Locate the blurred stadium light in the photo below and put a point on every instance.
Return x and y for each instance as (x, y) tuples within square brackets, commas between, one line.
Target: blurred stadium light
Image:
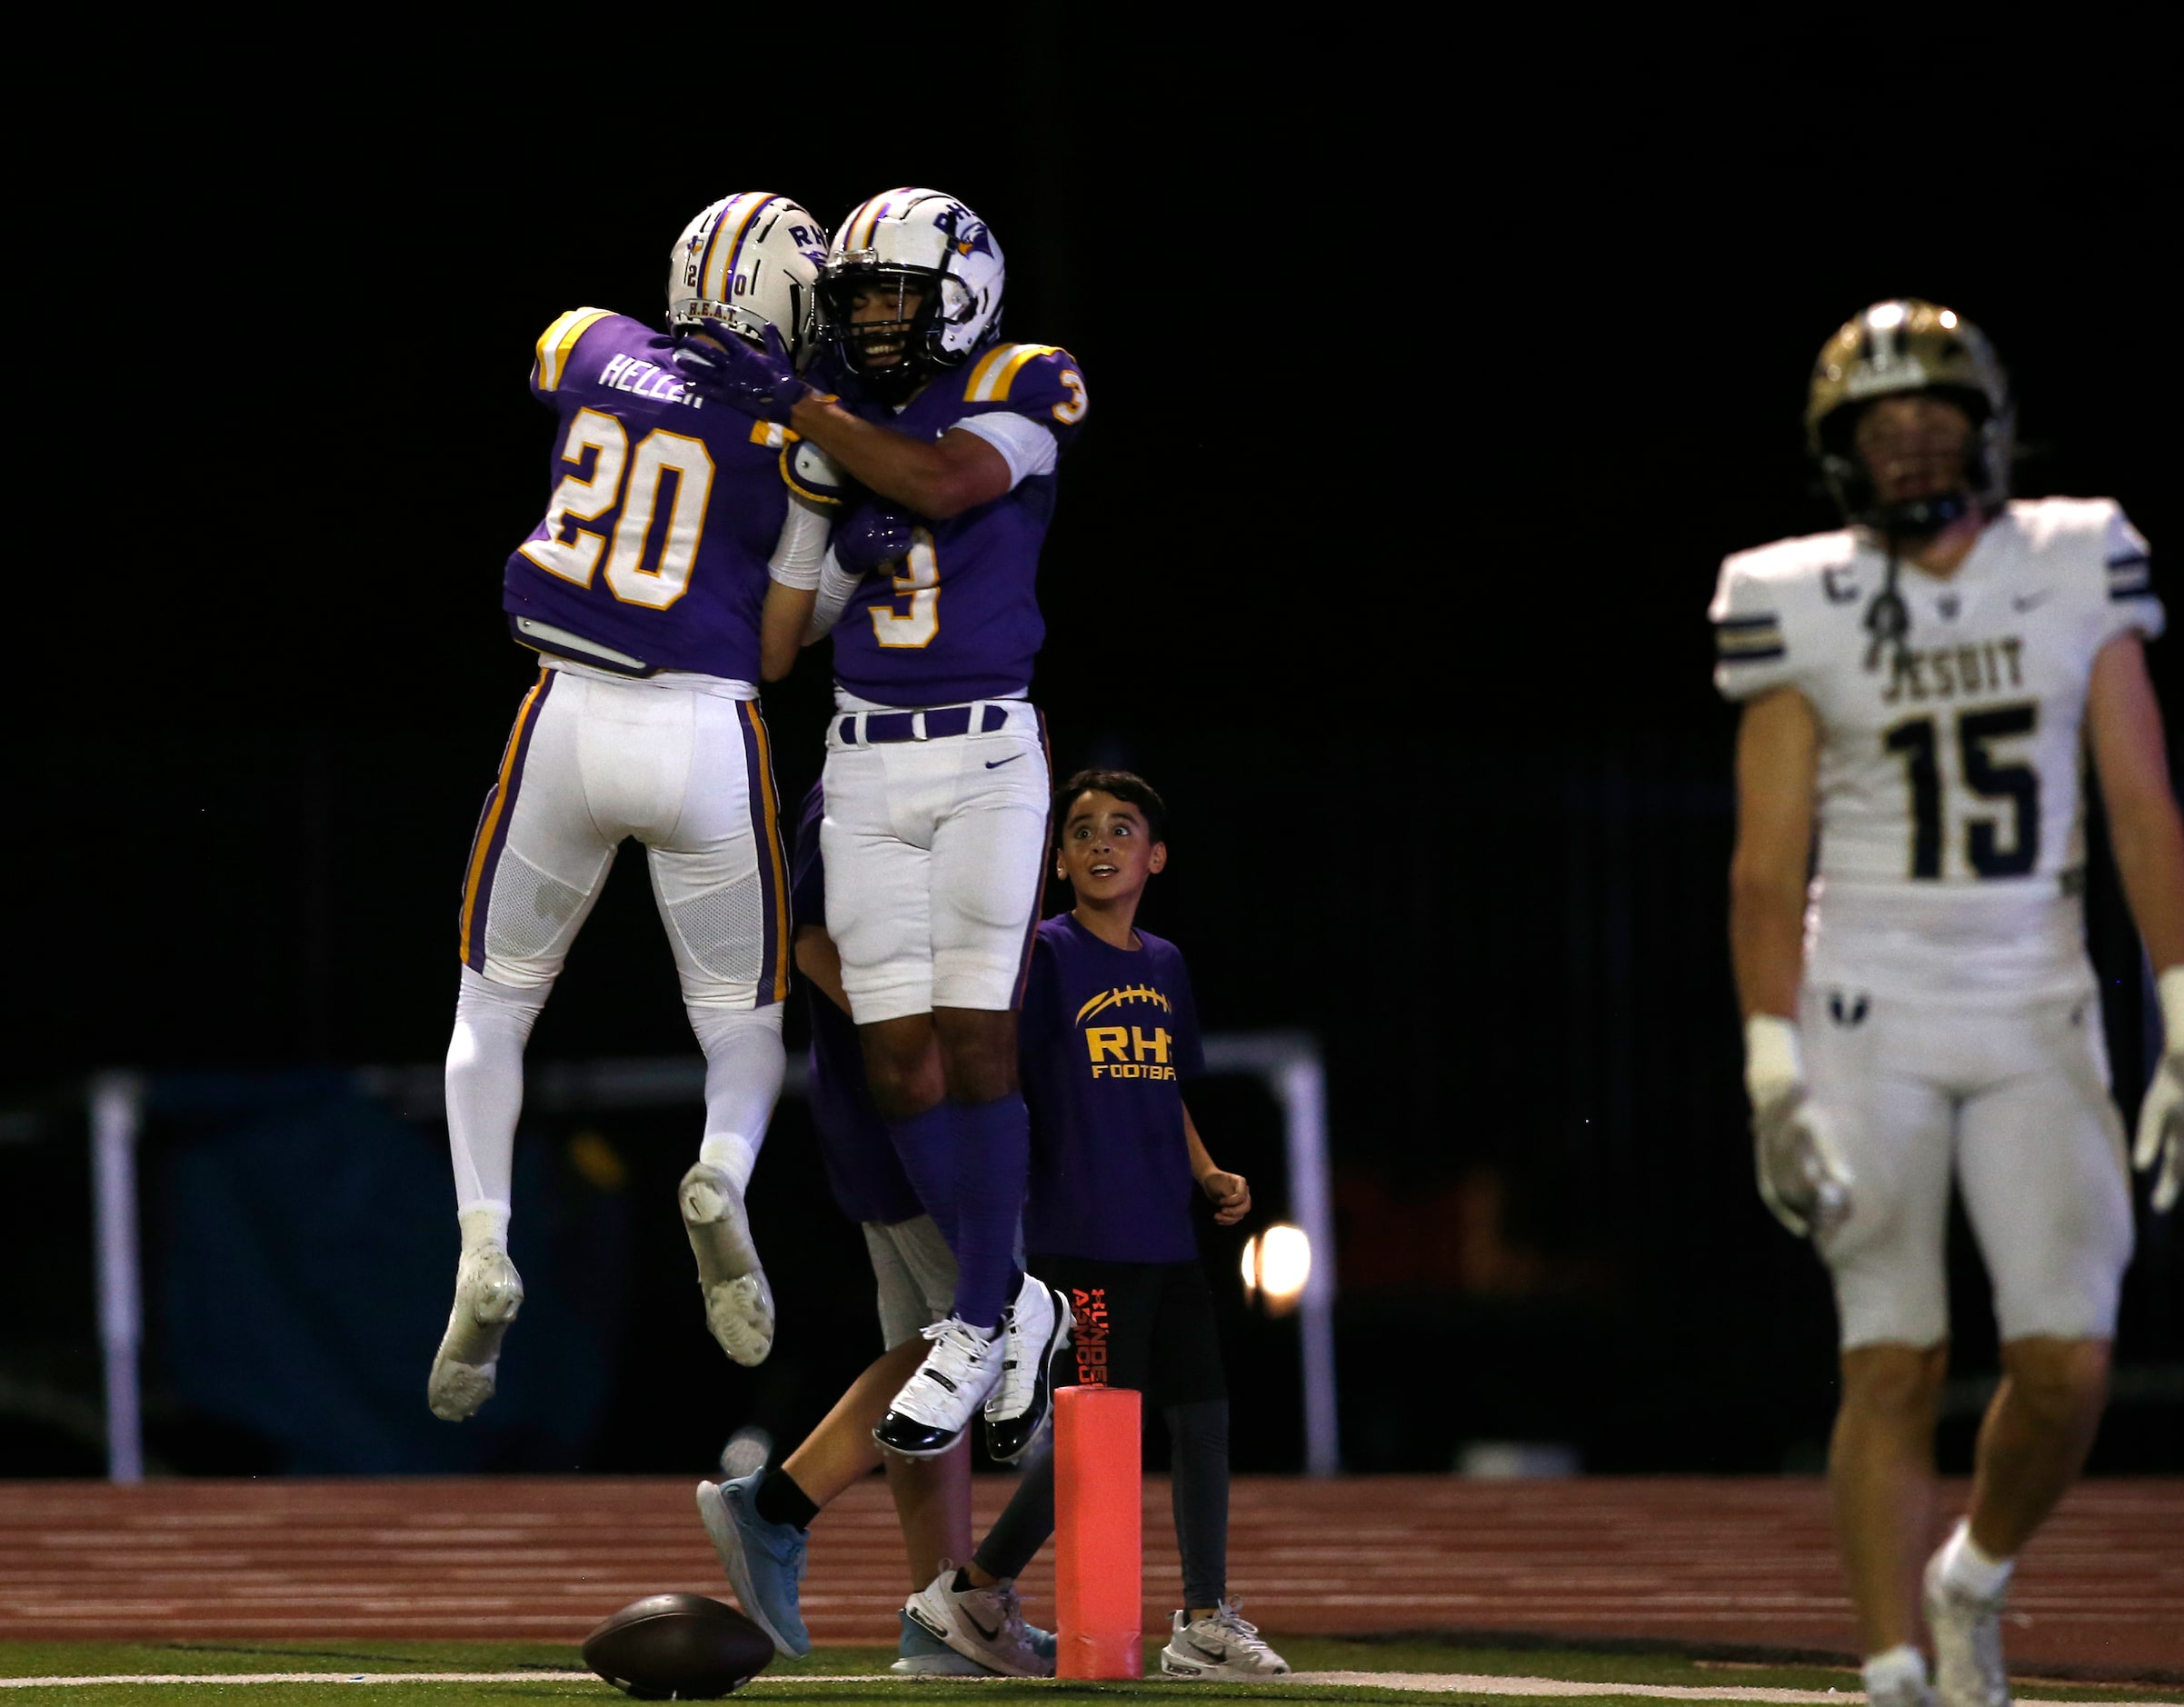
[(1289, 1062)]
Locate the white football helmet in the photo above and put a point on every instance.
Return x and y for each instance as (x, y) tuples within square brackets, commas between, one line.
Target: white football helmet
[(924, 239), (750, 262)]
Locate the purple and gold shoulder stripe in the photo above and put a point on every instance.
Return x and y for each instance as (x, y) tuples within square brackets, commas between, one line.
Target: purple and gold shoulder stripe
[(558, 342), (994, 372), (1747, 639)]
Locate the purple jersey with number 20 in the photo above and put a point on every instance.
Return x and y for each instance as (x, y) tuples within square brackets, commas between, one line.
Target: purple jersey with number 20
[(652, 553), (957, 618)]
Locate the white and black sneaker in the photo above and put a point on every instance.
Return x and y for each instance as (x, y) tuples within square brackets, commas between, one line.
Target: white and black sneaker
[(985, 1625), (938, 1402), (1223, 1643), (1034, 1331)]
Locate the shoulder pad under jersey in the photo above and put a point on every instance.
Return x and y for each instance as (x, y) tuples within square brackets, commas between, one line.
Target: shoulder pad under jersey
[(1039, 381), (811, 473), (558, 342)]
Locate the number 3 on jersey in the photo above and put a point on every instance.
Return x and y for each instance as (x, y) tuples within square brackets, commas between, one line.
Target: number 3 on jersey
[(1985, 850), (920, 580), (659, 454)]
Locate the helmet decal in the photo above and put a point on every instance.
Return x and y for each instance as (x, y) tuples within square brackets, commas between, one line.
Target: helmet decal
[(749, 261)]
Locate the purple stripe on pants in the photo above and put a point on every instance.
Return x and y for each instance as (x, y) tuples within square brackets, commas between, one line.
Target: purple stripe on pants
[(493, 822)]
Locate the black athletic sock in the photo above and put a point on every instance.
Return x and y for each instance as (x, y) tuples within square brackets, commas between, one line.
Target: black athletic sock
[(1024, 1523), (1198, 1435), (780, 1501)]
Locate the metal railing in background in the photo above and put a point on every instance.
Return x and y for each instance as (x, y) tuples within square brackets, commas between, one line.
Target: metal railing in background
[(1288, 1062)]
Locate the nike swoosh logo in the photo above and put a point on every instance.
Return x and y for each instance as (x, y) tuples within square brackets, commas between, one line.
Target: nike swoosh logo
[(964, 1613), (994, 764), (2026, 601), (1210, 1653)]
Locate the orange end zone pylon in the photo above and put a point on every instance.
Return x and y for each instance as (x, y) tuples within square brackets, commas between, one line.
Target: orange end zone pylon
[(1099, 1589)]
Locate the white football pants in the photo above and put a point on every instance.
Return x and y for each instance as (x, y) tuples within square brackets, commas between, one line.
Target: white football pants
[(686, 771), (2014, 1103), (936, 856)]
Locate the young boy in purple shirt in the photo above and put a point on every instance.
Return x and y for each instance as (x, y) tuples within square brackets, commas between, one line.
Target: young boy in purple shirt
[(1109, 1038)]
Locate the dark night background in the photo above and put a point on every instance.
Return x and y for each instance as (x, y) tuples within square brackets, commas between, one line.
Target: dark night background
[(1430, 379)]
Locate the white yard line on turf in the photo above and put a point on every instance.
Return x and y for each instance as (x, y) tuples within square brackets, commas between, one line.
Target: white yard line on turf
[(1441, 1683)]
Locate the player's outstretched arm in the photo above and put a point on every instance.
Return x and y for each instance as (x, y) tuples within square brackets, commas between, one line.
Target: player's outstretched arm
[(2130, 756), (935, 478), (1230, 1193)]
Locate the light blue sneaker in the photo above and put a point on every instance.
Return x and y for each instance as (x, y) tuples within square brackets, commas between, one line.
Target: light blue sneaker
[(764, 1562)]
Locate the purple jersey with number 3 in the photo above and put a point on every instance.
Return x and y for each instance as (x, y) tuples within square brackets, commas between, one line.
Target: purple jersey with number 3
[(958, 619), (652, 552), (1107, 1039)]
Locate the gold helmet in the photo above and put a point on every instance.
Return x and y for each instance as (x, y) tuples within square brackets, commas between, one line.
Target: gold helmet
[(1900, 346)]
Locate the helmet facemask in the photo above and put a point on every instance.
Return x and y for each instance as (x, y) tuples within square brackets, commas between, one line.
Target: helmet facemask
[(1911, 518), (890, 351)]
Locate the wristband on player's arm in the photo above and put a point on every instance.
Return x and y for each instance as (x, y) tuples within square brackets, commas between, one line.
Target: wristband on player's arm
[(1774, 1065), (836, 586), (802, 548)]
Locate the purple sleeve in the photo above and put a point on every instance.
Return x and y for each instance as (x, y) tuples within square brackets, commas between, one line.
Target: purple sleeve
[(1190, 1049), (807, 872)]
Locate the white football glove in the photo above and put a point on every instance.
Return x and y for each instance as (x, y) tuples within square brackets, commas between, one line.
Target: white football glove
[(2160, 1147), (1803, 1179)]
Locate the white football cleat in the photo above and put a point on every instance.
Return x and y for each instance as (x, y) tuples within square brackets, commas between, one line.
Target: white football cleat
[(939, 1400), (1967, 1630), (1223, 1643), (1035, 1330), (739, 1303), (985, 1625), (488, 1293)]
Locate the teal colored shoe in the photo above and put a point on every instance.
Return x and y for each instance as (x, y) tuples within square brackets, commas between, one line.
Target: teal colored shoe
[(764, 1562)]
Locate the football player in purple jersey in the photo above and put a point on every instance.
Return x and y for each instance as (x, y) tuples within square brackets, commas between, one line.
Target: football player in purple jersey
[(670, 573), (758, 1523), (935, 832), (1110, 1041)]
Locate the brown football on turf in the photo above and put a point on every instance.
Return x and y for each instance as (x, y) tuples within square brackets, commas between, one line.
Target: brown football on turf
[(677, 1647)]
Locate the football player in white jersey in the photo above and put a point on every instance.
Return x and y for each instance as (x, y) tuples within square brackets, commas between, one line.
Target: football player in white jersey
[(655, 591), (1917, 691)]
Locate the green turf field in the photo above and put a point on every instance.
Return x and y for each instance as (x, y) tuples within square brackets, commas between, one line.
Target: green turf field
[(817, 1677)]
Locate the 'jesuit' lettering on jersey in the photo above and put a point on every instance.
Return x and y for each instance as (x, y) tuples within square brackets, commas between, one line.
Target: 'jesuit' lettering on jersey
[(652, 552), (958, 619), (1950, 794)]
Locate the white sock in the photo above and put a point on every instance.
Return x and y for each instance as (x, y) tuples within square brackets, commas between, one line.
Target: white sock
[(486, 1089), (483, 1223), (1888, 1672), (1967, 1566), (743, 1068)]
